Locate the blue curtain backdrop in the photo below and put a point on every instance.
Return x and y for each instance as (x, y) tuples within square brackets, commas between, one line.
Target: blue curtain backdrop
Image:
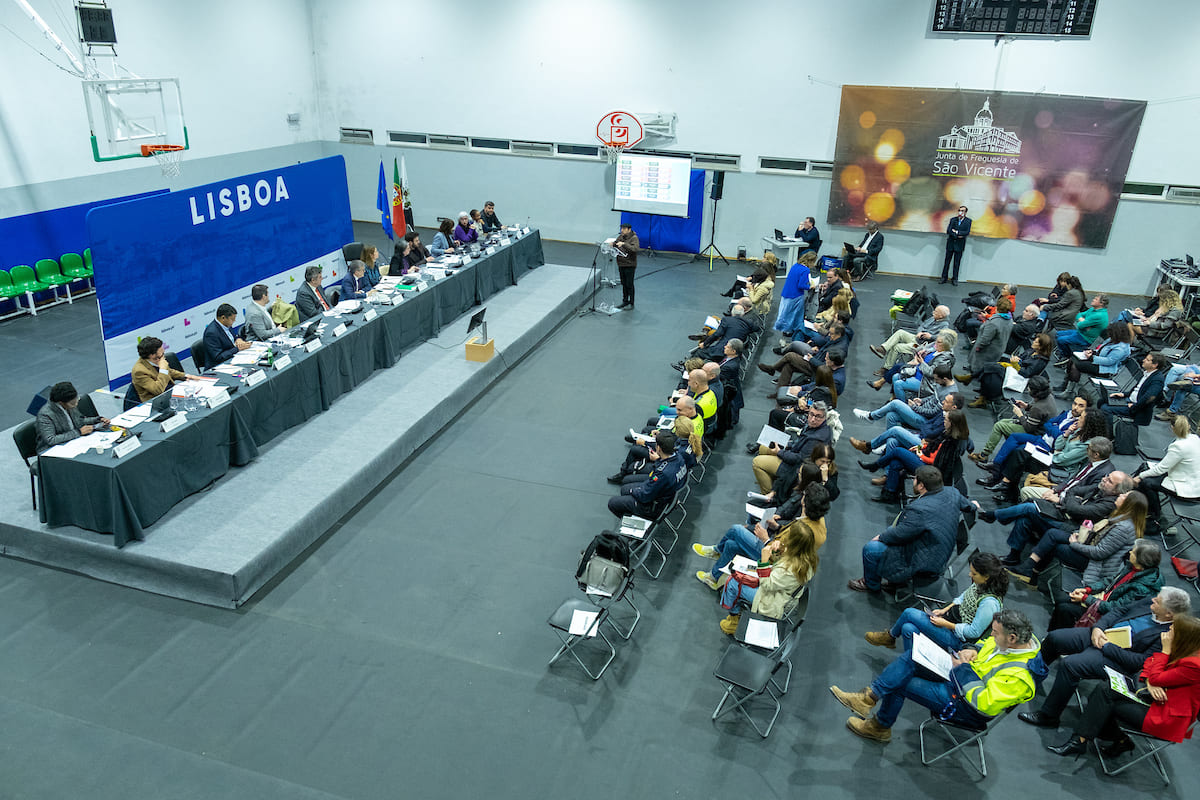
[(677, 234)]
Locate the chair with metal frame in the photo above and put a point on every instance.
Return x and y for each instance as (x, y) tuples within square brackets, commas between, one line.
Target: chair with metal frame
[(1147, 747), (748, 674), (793, 618), (560, 622), (975, 737), (25, 438)]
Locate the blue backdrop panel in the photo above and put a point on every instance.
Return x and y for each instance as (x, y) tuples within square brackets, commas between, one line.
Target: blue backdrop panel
[(677, 234), (49, 234), (166, 254)]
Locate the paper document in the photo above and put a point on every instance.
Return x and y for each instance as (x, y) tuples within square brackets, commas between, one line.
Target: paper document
[(761, 633), (1041, 456), (635, 527), (1080, 354), (743, 279), (1105, 382), (768, 436), (760, 513), (810, 325), (902, 294), (583, 623), (347, 306), (133, 416), (1122, 637), (226, 369), (740, 564), (712, 322), (245, 358), (1122, 685), (930, 656), (639, 437)]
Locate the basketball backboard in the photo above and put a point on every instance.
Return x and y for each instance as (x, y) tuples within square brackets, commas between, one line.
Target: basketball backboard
[(126, 113)]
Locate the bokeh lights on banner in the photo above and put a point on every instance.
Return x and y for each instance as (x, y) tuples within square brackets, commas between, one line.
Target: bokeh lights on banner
[(1043, 168)]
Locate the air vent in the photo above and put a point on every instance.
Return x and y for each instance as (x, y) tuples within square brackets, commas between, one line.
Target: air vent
[(716, 161), (440, 140), (533, 148), (489, 144), (357, 135), (1144, 189), (1184, 194), (577, 150), (824, 168), (783, 164), (400, 137)]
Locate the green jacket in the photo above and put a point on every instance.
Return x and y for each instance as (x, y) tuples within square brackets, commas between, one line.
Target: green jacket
[(1001, 680), (1091, 323)]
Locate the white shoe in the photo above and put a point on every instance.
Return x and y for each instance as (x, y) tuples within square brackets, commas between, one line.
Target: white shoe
[(861, 414), (705, 551), (878, 451), (706, 579)]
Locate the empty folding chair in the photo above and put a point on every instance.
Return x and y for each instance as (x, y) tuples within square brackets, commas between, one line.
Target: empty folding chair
[(562, 622), (749, 675), (25, 437)]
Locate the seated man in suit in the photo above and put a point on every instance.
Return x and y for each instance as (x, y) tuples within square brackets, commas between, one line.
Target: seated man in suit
[(740, 324), (865, 257), (310, 298), (1144, 398), (922, 539), (259, 326), (1085, 652), (152, 375), (355, 285), (796, 360), (59, 420), (220, 342), (731, 378)]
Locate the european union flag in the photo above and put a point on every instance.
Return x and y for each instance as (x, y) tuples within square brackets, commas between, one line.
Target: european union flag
[(384, 203)]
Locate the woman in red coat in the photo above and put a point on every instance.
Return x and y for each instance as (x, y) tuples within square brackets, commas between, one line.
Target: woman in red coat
[(1172, 690)]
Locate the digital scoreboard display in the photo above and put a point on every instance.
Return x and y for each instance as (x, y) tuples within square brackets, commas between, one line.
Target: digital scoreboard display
[(1014, 17)]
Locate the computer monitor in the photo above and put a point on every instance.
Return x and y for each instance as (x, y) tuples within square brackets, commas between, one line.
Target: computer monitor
[(477, 322)]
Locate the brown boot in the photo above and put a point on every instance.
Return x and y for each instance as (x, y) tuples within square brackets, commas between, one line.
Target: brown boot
[(767, 368), (880, 639), (860, 703), (860, 445), (869, 729), (877, 385), (978, 402), (880, 481)]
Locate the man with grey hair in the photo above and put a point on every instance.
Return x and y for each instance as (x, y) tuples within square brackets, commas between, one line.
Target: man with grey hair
[(740, 324), (902, 344), (730, 376), (310, 298), (1084, 653), (985, 679)]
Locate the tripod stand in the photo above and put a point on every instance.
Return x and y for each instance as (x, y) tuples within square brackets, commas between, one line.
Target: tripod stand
[(711, 249), (597, 284)]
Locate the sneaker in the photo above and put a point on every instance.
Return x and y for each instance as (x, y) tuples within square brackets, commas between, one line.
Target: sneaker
[(729, 625), (706, 579), (880, 639), (861, 414), (705, 551), (860, 703)]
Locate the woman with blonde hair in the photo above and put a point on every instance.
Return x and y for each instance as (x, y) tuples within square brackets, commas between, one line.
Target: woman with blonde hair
[(1177, 474), (841, 302), (369, 256), (786, 564)]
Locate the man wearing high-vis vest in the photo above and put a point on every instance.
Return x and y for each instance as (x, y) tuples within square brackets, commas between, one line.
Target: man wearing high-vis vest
[(999, 673)]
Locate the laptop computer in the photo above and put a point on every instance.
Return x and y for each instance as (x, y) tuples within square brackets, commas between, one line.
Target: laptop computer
[(779, 237), (160, 407)]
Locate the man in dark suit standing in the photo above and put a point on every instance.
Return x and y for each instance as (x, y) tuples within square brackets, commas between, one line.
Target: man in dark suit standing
[(220, 342), (956, 242), (864, 259), (310, 300)]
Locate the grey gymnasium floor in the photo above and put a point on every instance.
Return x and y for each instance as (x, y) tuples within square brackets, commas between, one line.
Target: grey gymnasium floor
[(405, 654)]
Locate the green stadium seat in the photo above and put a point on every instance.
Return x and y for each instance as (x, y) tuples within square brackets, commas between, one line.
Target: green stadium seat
[(25, 281), (73, 266), (49, 273)]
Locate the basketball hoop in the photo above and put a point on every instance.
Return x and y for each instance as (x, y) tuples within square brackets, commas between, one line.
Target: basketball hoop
[(613, 152), (618, 131), (167, 156)]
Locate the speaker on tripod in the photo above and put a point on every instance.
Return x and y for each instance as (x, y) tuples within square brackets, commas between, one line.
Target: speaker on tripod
[(715, 193), (718, 186)]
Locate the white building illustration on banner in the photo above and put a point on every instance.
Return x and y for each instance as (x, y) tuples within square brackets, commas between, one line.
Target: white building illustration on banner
[(981, 137)]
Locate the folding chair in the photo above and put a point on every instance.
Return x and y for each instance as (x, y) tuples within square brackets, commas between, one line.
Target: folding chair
[(560, 621), (1183, 513), (748, 674), (624, 594), (793, 618), (1147, 747), (975, 736), (25, 438), (640, 550)]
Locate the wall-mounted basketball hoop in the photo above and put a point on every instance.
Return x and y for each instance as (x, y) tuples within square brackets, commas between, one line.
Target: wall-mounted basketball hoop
[(127, 114), (618, 131), (167, 156)]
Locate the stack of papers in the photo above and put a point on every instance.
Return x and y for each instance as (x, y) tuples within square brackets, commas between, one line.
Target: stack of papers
[(75, 447), (768, 436), (761, 633), (347, 306), (133, 416), (583, 623), (931, 656), (740, 564), (1041, 456)]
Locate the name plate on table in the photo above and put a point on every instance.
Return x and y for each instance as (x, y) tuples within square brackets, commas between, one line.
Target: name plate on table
[(170, 424), (283, 361), (126, 447), (525, 231), (312, 346), (422, 286), (370, 314), (491, 249), (505, 242), (466, 260), (218, 399), (257, 377), (339, 330)]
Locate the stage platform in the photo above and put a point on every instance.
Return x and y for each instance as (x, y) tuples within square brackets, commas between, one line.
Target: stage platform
[(218, 547)]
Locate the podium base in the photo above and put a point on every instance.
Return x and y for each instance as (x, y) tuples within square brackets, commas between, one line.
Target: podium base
[(480, 352)]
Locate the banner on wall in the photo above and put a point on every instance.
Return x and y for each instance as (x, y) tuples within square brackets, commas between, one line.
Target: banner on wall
[(164, 263), (1036, 167)]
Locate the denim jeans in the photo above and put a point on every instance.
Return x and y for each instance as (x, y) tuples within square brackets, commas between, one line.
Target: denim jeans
[(899, 680), (901, 387), (1014, 441), (739, 540), (897, 459), (872, 552), (913, 620), (1069, 341), (898, 412), (900, 435), (731, 600)]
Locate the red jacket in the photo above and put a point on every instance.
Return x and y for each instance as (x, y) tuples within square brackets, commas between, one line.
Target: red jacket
[(1171, 720)]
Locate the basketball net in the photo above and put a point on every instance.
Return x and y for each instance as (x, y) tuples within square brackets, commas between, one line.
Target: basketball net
[(167, 156), (613, 152)]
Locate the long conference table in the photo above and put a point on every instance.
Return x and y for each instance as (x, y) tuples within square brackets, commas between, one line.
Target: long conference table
[(123, 496)]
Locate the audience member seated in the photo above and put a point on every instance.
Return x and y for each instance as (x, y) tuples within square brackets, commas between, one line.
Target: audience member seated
[(1160, 315), (769, 264), (1061, 284), (151, 374), (931, 427), (1083, 653), (1024, 330), (966, 619), (864, 259), (922, 539), (637, 460), (1103, 359), (1182, 380), (803, 358), (982, 306), (793, 400), (819, 335), (259, 326), (59, 419), (985, 680), (1088, 325), (991, 380), (650, 497), (464, 232), (477, 222), (491, 222), (1170, 698), (1027, 417), (944, 452), (759, 291), (790, 318), (310, 299), (1144, 398), (815, 431), (415, 253), (807, 232), (914, 412), (902, 344), (220, 343), (355, 285), (1086, 604), (740, 324), (828, 289), (791, 481), (993, 338), (1068, 451), (443, 241), (912, 374), (1098, 550), (730, 376), (1177, 474), (370, 255), (741, 540), (786, 565), (1062, 312)]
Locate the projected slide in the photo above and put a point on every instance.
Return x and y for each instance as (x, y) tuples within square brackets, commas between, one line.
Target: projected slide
[(652, 185)]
